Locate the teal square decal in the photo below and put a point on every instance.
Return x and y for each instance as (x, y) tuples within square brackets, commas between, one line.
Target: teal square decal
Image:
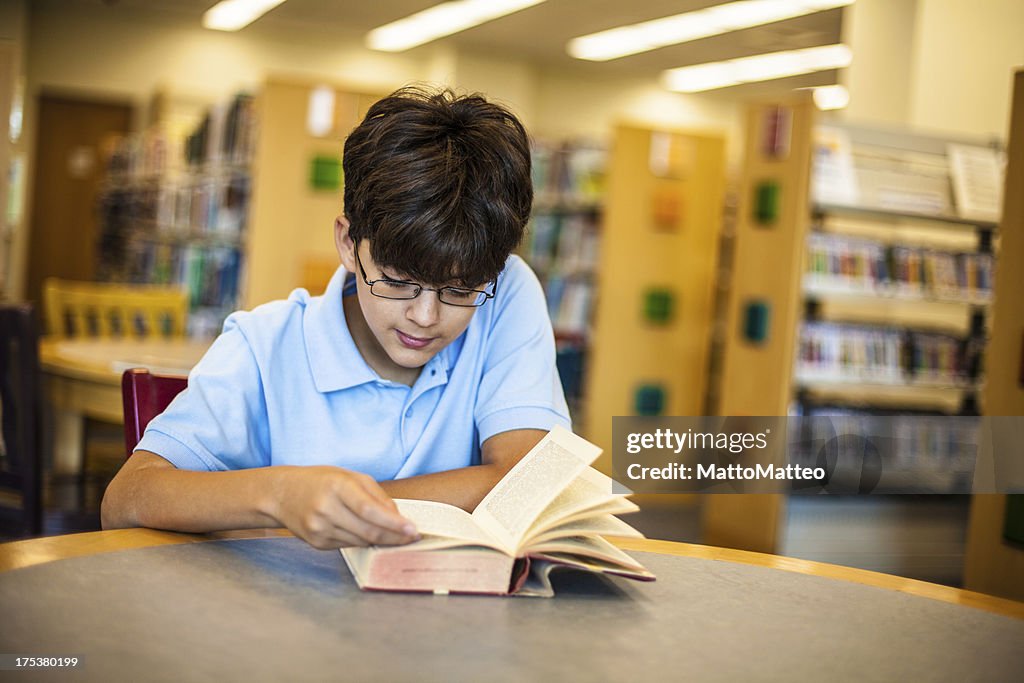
[(649, 400)]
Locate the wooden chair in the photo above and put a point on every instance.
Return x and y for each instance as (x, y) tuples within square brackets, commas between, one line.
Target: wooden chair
[(20, 460), (100, 309), (317, 271), (145, 396)]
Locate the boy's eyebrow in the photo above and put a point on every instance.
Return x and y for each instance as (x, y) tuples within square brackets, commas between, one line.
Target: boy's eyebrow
[(451, 283)]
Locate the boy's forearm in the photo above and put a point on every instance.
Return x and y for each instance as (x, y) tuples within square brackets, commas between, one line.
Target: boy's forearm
[(467, 486), (464, 487), (180, 500)]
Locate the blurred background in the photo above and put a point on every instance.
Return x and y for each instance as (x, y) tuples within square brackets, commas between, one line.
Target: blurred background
[(767, 207)]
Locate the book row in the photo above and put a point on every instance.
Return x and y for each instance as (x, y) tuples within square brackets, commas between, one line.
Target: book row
[(208, 204), (568, 174), (864, 266), (900, 454), (835, 352), (226, 135), (562, 243)]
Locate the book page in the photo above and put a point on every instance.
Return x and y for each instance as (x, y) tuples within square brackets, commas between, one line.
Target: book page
[(833, 177), (512, 506), (587, 549), (602, 525), (977, 175), (445, 521), (587, 490)]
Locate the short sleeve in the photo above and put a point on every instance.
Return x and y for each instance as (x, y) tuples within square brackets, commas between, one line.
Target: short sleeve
[(220, 421), (519, 385)]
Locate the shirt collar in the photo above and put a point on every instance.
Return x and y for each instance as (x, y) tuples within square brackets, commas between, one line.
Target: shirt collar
[(333, 356)]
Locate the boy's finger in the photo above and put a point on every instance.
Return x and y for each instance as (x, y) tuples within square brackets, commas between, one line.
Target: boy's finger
[(369, 508), (369, 532), (386, 513)]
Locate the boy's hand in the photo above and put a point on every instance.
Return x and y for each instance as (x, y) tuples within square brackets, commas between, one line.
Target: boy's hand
[(331, 507)]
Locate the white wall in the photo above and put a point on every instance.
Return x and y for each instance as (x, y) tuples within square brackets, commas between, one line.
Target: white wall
[(881, 33), (126, 52), (965, 55), (942, 65), (568, 107)]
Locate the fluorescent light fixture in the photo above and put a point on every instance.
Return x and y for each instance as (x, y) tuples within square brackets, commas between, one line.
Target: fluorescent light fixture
[(764, 67), (439, 21), (831, 97), (231, 15), (320, 111), (681, 28)]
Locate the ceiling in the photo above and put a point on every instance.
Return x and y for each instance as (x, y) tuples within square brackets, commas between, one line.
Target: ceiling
[(539, 34)]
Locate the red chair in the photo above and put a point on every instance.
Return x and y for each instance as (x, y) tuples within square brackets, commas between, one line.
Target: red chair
[(145, 396)]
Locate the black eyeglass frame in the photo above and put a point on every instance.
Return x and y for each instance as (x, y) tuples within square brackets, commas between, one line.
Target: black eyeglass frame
[(419, 288)]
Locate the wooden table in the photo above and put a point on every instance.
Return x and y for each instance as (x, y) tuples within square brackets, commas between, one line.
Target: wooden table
[(261, 605), (82, 378)]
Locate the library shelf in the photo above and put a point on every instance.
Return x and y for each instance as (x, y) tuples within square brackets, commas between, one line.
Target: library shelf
[(950, 221)]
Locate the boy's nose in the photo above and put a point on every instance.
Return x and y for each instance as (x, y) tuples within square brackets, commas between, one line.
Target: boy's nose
[(425, 310)]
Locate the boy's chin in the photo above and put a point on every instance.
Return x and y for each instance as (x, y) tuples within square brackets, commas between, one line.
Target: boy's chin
[(411, 360)]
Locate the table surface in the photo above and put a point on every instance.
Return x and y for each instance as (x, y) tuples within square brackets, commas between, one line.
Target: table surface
[(103, 360), (265, 606), (82, 379)]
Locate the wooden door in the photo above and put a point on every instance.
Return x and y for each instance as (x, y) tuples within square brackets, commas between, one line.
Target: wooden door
[(68, 168)]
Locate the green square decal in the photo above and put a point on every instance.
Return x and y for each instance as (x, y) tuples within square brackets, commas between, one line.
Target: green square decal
[(325, 173), (659, 305)]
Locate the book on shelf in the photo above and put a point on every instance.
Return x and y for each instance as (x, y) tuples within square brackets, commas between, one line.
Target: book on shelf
[(977, 176), (569, 174), (549, 512), (836, 352), (920, 452), (850, 265)]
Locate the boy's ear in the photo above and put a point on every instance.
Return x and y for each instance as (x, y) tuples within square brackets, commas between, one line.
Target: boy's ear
[(344, 244)]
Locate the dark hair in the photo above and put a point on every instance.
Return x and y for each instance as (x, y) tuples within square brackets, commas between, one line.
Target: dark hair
[(440, 184)]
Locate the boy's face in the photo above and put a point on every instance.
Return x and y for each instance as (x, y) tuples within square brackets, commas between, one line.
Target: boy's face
[(409, 332)]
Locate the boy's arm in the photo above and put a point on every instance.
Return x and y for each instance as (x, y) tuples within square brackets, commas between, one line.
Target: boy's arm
[(328, 507), (467, 486)]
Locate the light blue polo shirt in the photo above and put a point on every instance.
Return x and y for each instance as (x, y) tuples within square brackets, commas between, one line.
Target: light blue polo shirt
[(285, 384)]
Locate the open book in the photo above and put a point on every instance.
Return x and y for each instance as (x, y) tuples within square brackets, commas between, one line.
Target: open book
[(549, 511)]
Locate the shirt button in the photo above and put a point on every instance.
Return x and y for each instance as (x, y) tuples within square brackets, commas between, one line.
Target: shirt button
[(408, 413)]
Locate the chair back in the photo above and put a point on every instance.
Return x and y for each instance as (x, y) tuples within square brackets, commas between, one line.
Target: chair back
[(316, 273), (145, 396), (102, 309), (20, 458)]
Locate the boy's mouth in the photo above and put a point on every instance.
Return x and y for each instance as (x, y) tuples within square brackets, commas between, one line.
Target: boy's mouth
[(413, 342)]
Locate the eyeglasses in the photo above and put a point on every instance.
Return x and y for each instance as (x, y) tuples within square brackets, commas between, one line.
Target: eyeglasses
[(386, 288)]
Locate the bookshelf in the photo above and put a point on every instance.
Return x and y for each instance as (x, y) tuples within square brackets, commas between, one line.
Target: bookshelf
[(290, 238), (173, 209), (875, 289), (227, 200), (562, 245), (659, 253), (994, 564)]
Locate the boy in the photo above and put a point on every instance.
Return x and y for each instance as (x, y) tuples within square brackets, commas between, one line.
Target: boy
[(428, 365)]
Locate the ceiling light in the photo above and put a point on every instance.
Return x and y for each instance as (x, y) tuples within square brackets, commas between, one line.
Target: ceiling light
[(831, 97), (681, 28), (764, 67), (231, 15), (439, 21)]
